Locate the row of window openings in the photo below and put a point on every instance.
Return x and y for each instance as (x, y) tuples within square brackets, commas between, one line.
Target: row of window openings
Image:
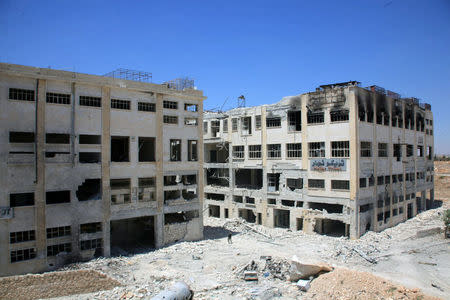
[(53, 250), (366, 150), (293, 119), (294, 150), (380, 180), (119, 147), (273, 182), (58, 98)]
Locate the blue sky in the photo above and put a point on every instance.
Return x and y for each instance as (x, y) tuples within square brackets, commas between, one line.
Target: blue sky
[(261, 49)]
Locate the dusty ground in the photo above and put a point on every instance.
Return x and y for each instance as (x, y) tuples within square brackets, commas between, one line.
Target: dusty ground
[(442, 180)]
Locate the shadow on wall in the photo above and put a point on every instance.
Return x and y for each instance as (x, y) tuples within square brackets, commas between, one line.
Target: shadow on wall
[(216, 232)]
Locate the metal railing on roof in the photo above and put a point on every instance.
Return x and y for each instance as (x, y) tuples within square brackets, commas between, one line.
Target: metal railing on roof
[(128, 74)]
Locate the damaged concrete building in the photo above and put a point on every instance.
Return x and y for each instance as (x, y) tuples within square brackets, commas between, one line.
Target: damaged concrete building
[(90, 164), (339, 161)]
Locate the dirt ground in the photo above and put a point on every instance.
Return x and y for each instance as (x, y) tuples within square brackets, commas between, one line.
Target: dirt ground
[(442, 180)]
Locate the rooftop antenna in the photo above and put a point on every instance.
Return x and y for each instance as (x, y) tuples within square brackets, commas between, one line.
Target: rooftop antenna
[(241, 101)]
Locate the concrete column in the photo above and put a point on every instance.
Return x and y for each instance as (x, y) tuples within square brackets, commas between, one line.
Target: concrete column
[(159, 226), (106, 162), (354, 161), (390, 159), (39, 201), (200, 177), (374, 160), (264, 214), (403, 154)]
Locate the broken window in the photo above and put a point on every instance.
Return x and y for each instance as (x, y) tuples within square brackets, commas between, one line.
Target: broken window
[(397, 114), (273, 182), (380, 180), (90, 227), (328, 207), (409, 150), (398, 151), (234, 124), (294, 183), (22, 236), (420, 151), (340, 185), (170, 119), (146, 106), (382, 115), (58, 232), (316, 149), (90, 139), (225, 125), (171, 180), (238, 152), (248, 178), (58, 98), (273, 122), (172, 195), (22, 254), (190, 107), (274, 150), (189, 179), (257, 122), (288, 203), (175, 150), (362, 182), (120, 148), (294, 150), (371, 180), (254, 151), (21, 199), (120, 191), (146, 149), (316, 117), (57, 138), (54, 250), (340, 149), (192, 150), (219, 177), (21, 94), (215, 128), (272, 201), (90, 157), (205, 127), (170, 104), (120, 104), (90, 189), (190, 121), (21, 137), (430, 152), (295, 120), (146, 189), (249, 200), (246, 123), (57, 197), (339, 115), (366, 149), (237, 199), (316, 183), (178, 217), (214, 196), (382, 149), (96, 244), (90, 101)]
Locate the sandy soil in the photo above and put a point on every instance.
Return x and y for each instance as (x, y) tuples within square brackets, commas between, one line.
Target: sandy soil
[(442, 180)]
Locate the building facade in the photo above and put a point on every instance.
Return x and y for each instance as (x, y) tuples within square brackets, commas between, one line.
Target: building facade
[(90, 164), (341, 160)]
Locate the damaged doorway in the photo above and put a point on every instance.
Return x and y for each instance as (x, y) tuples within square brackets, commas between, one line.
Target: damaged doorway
[(132, 235), (247, 214), (281, 218), (329, 227)]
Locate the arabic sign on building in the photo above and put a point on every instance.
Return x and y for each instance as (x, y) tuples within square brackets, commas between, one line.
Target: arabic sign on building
[(6, 213), (330, 164)]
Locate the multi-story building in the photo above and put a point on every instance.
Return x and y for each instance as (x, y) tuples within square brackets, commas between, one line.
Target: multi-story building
[(89, 163), (341, 160)]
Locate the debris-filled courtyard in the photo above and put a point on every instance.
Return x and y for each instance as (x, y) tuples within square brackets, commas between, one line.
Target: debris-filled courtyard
[(408, 261)]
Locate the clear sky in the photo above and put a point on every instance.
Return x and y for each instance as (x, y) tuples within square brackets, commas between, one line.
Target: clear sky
[(263, 50)]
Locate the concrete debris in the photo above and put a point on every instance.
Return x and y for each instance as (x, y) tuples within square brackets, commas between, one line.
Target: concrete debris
[(178, 291), (250, 276), (304, 285), (301, 270)]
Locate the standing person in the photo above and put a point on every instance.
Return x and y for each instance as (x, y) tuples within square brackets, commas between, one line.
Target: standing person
[(229, 239)]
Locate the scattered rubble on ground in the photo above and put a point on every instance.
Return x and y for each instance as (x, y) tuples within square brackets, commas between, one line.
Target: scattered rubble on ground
[(215, 269)]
